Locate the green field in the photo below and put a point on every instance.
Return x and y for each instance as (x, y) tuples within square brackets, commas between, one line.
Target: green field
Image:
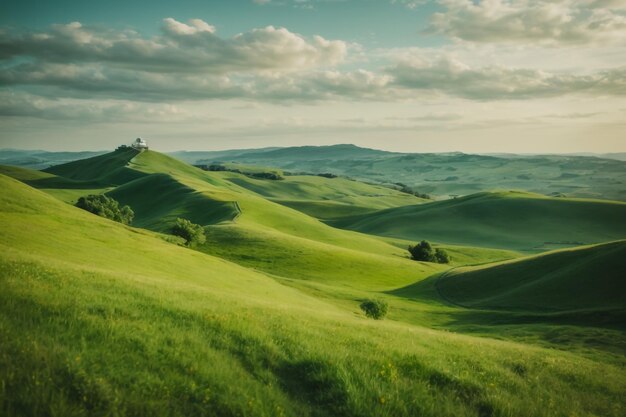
[(263, 319), (510, 219)]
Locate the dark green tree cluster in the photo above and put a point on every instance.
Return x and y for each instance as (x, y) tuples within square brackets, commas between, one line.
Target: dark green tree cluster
[(106, 207), (424, 251), (374, 309), (408, 190), (191, 232)]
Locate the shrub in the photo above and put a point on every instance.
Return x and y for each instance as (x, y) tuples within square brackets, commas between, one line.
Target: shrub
[(442, 256), (191, 232), (424, 252), (375, 309), (106, 207)]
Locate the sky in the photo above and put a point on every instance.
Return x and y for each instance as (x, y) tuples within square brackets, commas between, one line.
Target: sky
[(481, 76)]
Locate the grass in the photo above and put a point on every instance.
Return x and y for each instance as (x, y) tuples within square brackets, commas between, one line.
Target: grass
[(446, 174), (585, 278), (264, 319), (507, 220), (105, 322), (325, 198)]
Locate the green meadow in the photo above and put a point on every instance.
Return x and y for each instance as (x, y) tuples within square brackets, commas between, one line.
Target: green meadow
[(263, 318)]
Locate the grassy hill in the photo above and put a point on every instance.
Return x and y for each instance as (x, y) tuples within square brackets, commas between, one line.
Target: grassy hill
[(324, 198), (586, 278), (109, 169), (98, 318), (266, 235), (512, 220), (445, 174)]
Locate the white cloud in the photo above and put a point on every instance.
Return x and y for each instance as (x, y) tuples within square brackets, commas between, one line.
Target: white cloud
[(195, 26), (531, 21), (455, 78), (192, 47)]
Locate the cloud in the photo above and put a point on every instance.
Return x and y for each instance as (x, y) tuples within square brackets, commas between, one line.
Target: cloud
[(19, 104), (182, 48), (188, 61), (454, 78), (531, 21)]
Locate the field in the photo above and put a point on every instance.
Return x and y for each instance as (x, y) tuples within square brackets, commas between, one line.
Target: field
[(263, 319)]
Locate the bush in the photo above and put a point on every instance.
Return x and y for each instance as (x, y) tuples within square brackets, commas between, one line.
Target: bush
[(191, 232), (442, 256), (424, 252), (374, 309), (106, 207)]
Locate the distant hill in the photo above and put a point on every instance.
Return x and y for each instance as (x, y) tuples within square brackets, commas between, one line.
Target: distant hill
[(587, 278), (512, 220), (445, 174), (308, 153), (38, 159), (439, 174)]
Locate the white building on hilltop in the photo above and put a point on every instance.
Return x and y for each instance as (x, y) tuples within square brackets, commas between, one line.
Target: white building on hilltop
[(140, 144)]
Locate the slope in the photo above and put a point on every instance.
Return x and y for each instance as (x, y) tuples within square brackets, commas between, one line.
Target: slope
[(100, 319), (510, 220), (586, 278), (325, 198), (454, 173), (266, 235), (109, 169)]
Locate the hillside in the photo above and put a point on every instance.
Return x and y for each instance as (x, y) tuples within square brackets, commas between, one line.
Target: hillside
[(445, 174), (586, 278), (266, 235), (109, 169), (88, 306), (511, 220), (324, 198)]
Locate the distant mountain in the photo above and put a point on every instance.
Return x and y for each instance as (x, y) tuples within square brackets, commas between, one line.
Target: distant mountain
[(296, 153)]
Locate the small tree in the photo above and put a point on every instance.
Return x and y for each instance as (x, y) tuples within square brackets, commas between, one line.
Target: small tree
[(424, 252), (442, 256), (191, 232), (106, 207), (375, 309)]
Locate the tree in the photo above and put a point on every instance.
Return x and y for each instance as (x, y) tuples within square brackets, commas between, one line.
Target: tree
[(191, 232), (106, 207), (374, 309), (424, 252), (442, 256)]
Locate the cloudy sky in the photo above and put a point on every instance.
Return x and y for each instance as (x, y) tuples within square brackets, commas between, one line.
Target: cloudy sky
[(408, 75)]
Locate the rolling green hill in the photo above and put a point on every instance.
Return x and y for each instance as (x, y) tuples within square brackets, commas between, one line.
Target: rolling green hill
[(324, 198), (444, 174), (586, 278), (98, 318), (266, 235), (512, 220), (109, 169)]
